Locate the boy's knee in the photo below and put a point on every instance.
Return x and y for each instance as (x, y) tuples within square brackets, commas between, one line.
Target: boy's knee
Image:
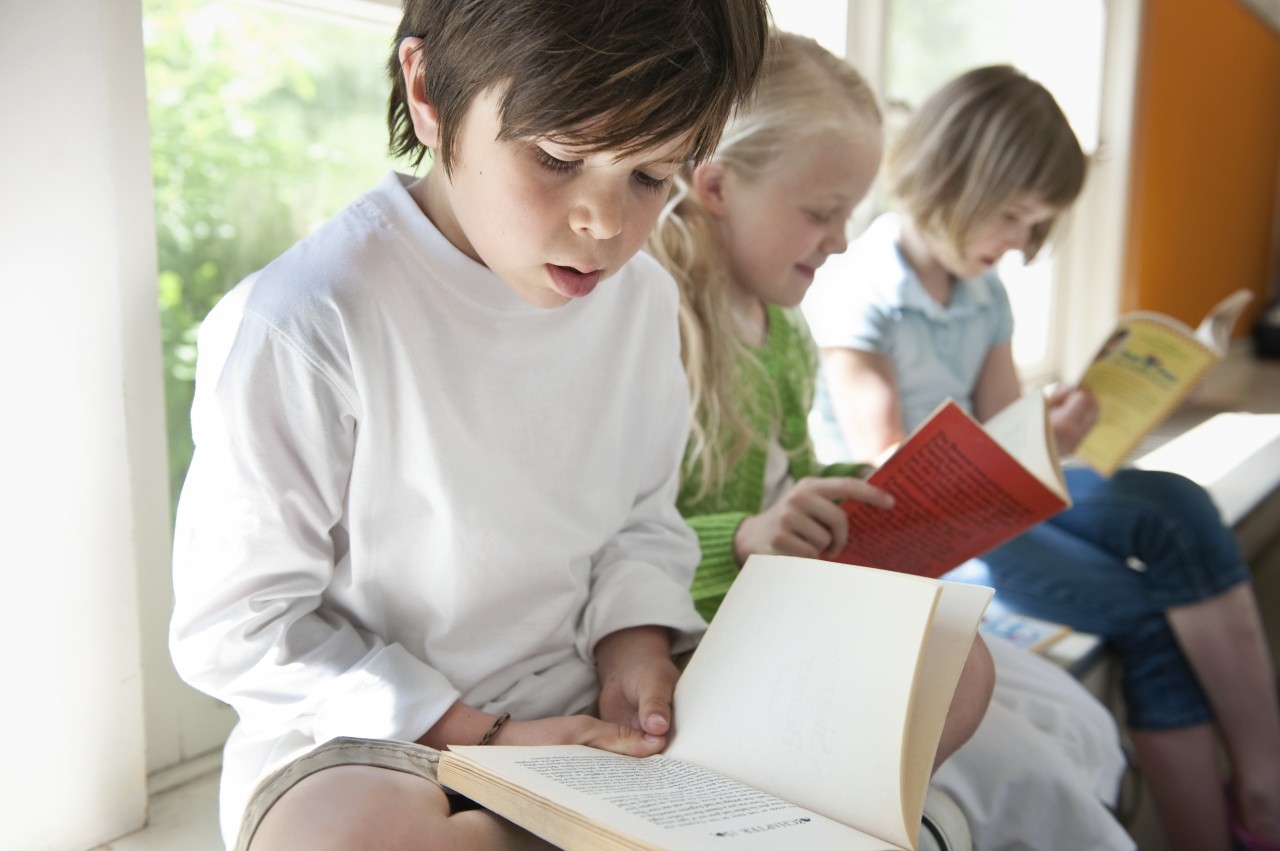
[(979, 677), (970, 701), (356, 806)]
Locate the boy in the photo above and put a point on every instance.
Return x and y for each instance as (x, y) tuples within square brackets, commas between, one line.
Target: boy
[(438, 440)]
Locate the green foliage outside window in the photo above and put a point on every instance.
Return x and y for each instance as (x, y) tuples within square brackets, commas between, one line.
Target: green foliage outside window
[(263, 124)]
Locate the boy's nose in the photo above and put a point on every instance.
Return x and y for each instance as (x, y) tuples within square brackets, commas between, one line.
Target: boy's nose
[(597, 213)]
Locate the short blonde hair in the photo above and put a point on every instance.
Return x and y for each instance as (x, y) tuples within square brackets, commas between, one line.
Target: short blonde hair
[(982, 140), (803, 90)]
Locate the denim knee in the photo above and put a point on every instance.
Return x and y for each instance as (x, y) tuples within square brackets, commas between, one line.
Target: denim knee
[(1161, 524)]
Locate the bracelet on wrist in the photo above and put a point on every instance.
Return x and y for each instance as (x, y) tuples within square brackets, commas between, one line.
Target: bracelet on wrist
[(493, 731)]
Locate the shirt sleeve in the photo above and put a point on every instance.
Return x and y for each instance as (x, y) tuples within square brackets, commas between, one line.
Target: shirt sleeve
[(642, 576), (719, 566), (1001, 312), (257, 539)]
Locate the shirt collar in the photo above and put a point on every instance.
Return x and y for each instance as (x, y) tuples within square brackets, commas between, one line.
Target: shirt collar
[(969, 296)]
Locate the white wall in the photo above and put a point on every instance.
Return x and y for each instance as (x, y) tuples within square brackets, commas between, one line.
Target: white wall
[(82, 441)]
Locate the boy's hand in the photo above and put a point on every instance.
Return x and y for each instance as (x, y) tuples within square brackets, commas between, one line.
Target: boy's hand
[(807, 521), (637, 680), (579, 730), (1072, 413)]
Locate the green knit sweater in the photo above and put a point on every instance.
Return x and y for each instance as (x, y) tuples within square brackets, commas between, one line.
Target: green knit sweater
[(790, 362)]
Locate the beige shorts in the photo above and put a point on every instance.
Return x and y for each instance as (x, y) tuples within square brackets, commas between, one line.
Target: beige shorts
[(418, 760)]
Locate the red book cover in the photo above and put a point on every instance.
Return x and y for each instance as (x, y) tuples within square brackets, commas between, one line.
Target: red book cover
[(957, 494)]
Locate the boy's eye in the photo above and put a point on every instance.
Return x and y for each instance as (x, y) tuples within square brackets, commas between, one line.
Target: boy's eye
[(821, 217), (648, 181), (555, 164)]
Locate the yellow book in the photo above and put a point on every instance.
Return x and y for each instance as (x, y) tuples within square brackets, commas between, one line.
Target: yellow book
[(808, 717), (1145, 369)]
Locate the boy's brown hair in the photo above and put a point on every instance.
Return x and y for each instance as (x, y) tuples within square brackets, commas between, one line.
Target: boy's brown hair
[(976, 144), (618, 75)]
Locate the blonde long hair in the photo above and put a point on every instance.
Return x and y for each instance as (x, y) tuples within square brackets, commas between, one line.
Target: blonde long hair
[(803, 90)]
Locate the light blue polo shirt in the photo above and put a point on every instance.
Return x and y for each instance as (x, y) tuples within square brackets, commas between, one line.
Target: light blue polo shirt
[(869, 299)]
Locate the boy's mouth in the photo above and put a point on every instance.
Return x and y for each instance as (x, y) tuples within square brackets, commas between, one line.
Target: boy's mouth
[(571, 282)]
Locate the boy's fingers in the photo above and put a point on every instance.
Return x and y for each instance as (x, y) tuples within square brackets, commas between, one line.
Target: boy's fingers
[(619, 738), (654, 706)]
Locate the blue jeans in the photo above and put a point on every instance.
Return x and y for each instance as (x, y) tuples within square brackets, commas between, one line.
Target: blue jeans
[(1128, 549)]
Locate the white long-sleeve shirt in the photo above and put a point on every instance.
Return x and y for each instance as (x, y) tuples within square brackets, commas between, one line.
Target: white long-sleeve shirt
[(410, 487)]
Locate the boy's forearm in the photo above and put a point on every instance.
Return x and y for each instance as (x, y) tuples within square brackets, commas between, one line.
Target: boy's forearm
[(627, 645), (460, 725)]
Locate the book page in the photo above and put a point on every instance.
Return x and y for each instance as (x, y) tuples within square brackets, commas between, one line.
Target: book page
[(955, 621), (1138, 378), (582, 798), (1215, 330), (804, 686), (957, 494), (1022, 428)]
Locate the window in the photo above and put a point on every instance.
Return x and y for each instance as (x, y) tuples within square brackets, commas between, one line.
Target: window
[(1057, 42), (266, 118)]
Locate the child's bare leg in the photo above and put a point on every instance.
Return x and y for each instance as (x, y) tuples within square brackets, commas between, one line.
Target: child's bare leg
[(359, 806), (969, 703), (1225, 644), (1180, 768)]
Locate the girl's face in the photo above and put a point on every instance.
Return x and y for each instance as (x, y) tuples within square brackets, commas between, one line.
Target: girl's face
[(781, 225), (1007, 229)]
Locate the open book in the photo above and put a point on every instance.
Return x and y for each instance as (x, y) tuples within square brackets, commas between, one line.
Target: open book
[(808, 717), (959, 489), (1144, 370)]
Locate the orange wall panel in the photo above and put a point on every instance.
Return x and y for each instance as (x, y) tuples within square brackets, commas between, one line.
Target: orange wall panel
[(1206, 156)]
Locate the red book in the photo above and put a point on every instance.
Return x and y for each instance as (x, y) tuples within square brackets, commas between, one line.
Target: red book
[(959, 490)]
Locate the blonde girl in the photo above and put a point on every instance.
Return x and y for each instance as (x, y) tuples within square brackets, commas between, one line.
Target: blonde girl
[(744, 234)]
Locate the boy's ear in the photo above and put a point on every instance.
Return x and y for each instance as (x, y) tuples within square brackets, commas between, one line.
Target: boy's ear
[(426, 121), (709, 185)]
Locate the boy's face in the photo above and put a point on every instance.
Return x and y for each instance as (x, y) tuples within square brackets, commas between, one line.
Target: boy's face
[(549, 220), (1008, 229), (778, 227)]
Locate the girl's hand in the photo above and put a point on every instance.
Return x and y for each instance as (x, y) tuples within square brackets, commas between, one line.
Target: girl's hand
[(1072, 413), (807, 521)]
